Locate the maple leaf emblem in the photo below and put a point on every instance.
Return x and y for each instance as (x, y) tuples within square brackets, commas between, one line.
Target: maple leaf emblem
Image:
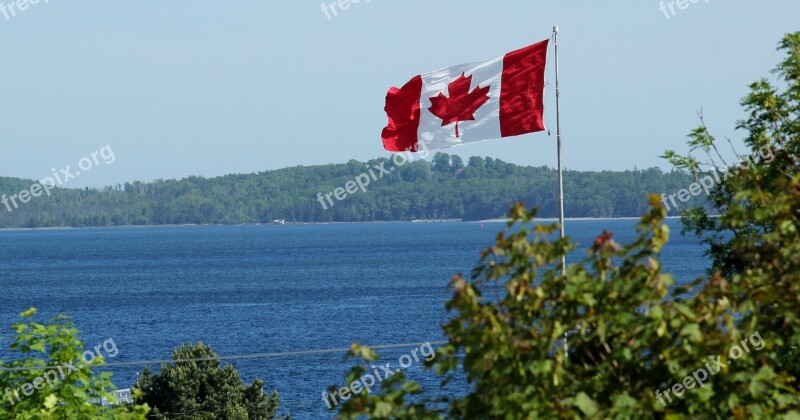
[(462, 104)]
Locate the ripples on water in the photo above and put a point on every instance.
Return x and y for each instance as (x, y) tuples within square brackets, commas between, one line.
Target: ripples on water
[(262, 289)]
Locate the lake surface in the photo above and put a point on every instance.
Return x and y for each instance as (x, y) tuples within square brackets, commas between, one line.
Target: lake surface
[(261, 289)]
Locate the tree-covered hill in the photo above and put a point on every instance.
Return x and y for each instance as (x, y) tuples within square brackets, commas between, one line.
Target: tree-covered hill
[(443, 188)]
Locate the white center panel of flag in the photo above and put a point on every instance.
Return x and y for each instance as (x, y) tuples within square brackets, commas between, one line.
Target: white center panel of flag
[(487, 118)]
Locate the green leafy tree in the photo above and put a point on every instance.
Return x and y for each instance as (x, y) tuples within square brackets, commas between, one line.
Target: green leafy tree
[(748, 183), (415, 190), (441, 163), (203, 389), (456, 163), (73, 392), (637, 346), (756, 240)]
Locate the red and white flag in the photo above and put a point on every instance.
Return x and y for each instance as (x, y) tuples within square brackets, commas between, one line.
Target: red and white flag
[(472, 102)]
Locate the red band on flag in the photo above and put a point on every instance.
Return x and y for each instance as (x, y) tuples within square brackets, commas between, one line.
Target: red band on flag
[(403, 110), (522, 91)]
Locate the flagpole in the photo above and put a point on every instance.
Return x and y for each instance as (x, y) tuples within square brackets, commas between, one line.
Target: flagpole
[(560, 172), (562, 231)]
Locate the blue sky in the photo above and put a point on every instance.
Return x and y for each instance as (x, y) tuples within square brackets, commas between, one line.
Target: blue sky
[(210, 87)]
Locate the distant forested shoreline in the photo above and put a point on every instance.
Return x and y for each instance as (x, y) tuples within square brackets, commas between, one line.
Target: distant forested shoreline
[(443, 188)]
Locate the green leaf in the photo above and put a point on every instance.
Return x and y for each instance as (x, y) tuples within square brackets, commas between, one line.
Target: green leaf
[(29, 313), (692, 331), (50, 401), (684, 310), (586, 404), (656, 312)]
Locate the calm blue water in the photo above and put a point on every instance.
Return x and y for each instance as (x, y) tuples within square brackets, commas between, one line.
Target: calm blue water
[(254, 289)]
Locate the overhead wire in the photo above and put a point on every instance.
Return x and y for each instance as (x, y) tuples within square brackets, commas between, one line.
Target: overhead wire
[(223, 358)]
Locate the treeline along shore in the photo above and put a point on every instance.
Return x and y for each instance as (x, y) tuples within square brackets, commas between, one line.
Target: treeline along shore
[(444, 188)]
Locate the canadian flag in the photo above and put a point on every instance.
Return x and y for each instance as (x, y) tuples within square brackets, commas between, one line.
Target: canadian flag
[(472, 102)]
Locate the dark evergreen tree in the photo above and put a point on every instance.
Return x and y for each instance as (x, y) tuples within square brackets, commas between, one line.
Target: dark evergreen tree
[(201, 390)]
